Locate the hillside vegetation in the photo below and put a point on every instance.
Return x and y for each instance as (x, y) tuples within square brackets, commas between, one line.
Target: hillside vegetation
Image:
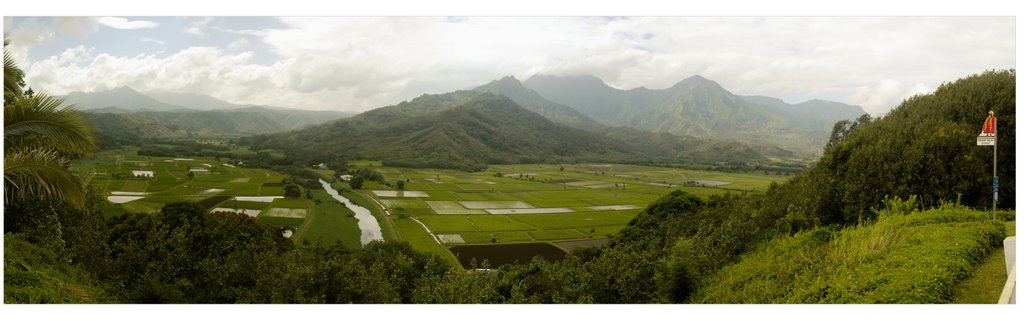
[(923, 147), (461, 130), (912, 258), (501, 123)]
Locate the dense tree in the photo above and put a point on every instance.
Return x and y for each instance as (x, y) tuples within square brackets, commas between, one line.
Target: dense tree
[(923, 147), (292, 190), (356, 182)]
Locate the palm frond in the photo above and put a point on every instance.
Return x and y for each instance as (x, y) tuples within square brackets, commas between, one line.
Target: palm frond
[(63, 129), (40, 172), (13, 76)]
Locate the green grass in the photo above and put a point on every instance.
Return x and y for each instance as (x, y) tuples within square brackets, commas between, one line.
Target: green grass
[(291, 203), (332, 223), (279, 221), (448, 224), (557, 234), (916, 258), (985, 283), (512, 236), (476, 237), (410, 231), (443, 213), (498, 223)]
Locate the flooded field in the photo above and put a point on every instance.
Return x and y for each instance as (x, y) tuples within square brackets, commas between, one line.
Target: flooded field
[(501, 254)]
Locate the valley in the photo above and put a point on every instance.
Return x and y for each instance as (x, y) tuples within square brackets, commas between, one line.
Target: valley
[(561, 207), (565, 205)]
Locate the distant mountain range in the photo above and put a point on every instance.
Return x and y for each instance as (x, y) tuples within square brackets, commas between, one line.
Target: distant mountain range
[(701, 108), (125, 116), (501, 122), (544, 119), (647, 143), (125, 98)]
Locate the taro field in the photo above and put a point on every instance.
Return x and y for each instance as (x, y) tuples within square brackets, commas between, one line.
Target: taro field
[(566, 206), (133, 183)]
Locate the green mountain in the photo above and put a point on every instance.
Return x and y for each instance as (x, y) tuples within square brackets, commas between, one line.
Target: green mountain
[(459, 130), (701, 108), (193, 101), (529, 99), (121, 97), (655, 145), (119, 126)]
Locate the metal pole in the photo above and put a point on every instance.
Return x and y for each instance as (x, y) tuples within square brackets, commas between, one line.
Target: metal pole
[(995, 179)]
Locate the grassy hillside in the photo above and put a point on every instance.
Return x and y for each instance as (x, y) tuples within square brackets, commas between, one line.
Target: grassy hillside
[(902, 258), (35, 274), (461, 130)]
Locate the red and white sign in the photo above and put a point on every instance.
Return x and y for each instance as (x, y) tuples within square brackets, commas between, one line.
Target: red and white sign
[(988, 131), (989, 128)]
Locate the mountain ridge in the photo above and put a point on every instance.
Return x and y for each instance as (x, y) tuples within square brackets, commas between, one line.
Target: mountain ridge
[(700, 107)]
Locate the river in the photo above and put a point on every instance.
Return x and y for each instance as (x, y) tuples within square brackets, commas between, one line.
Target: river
[(368, 227)]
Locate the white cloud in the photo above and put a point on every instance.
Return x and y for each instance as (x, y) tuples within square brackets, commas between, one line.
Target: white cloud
[(123, 23), (76, 26), (198, 27), (150, 40), (366, 62), (239, 43)]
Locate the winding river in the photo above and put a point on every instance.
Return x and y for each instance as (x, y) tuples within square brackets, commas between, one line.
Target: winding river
[(368, 227)]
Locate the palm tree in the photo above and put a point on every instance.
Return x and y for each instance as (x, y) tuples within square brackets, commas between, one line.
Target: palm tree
[(14, 78), (40, 138)]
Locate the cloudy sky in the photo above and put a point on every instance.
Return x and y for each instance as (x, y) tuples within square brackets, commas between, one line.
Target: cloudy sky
[(356, 64)]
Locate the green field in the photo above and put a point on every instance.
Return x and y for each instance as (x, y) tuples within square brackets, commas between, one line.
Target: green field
[(111, 171), (505, 204), (332, 223), (458, 203), (328, 222)]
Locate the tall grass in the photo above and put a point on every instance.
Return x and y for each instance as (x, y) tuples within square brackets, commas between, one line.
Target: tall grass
[(37, 275), (903, 257)]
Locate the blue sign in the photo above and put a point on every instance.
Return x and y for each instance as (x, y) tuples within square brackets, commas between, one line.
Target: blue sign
[(995, 184)]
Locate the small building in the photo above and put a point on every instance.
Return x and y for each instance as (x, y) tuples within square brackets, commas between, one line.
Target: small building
[(322, 166), (346, 177), (142, 173)]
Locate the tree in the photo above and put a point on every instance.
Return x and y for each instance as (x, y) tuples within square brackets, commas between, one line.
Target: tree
[(400, 184), (40, 137), (356, 182), (292, 190)]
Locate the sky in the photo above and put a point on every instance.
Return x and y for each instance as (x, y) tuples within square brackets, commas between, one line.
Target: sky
[(361, 63)]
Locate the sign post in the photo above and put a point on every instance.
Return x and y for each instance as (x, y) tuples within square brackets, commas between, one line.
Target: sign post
[(988, 138)]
